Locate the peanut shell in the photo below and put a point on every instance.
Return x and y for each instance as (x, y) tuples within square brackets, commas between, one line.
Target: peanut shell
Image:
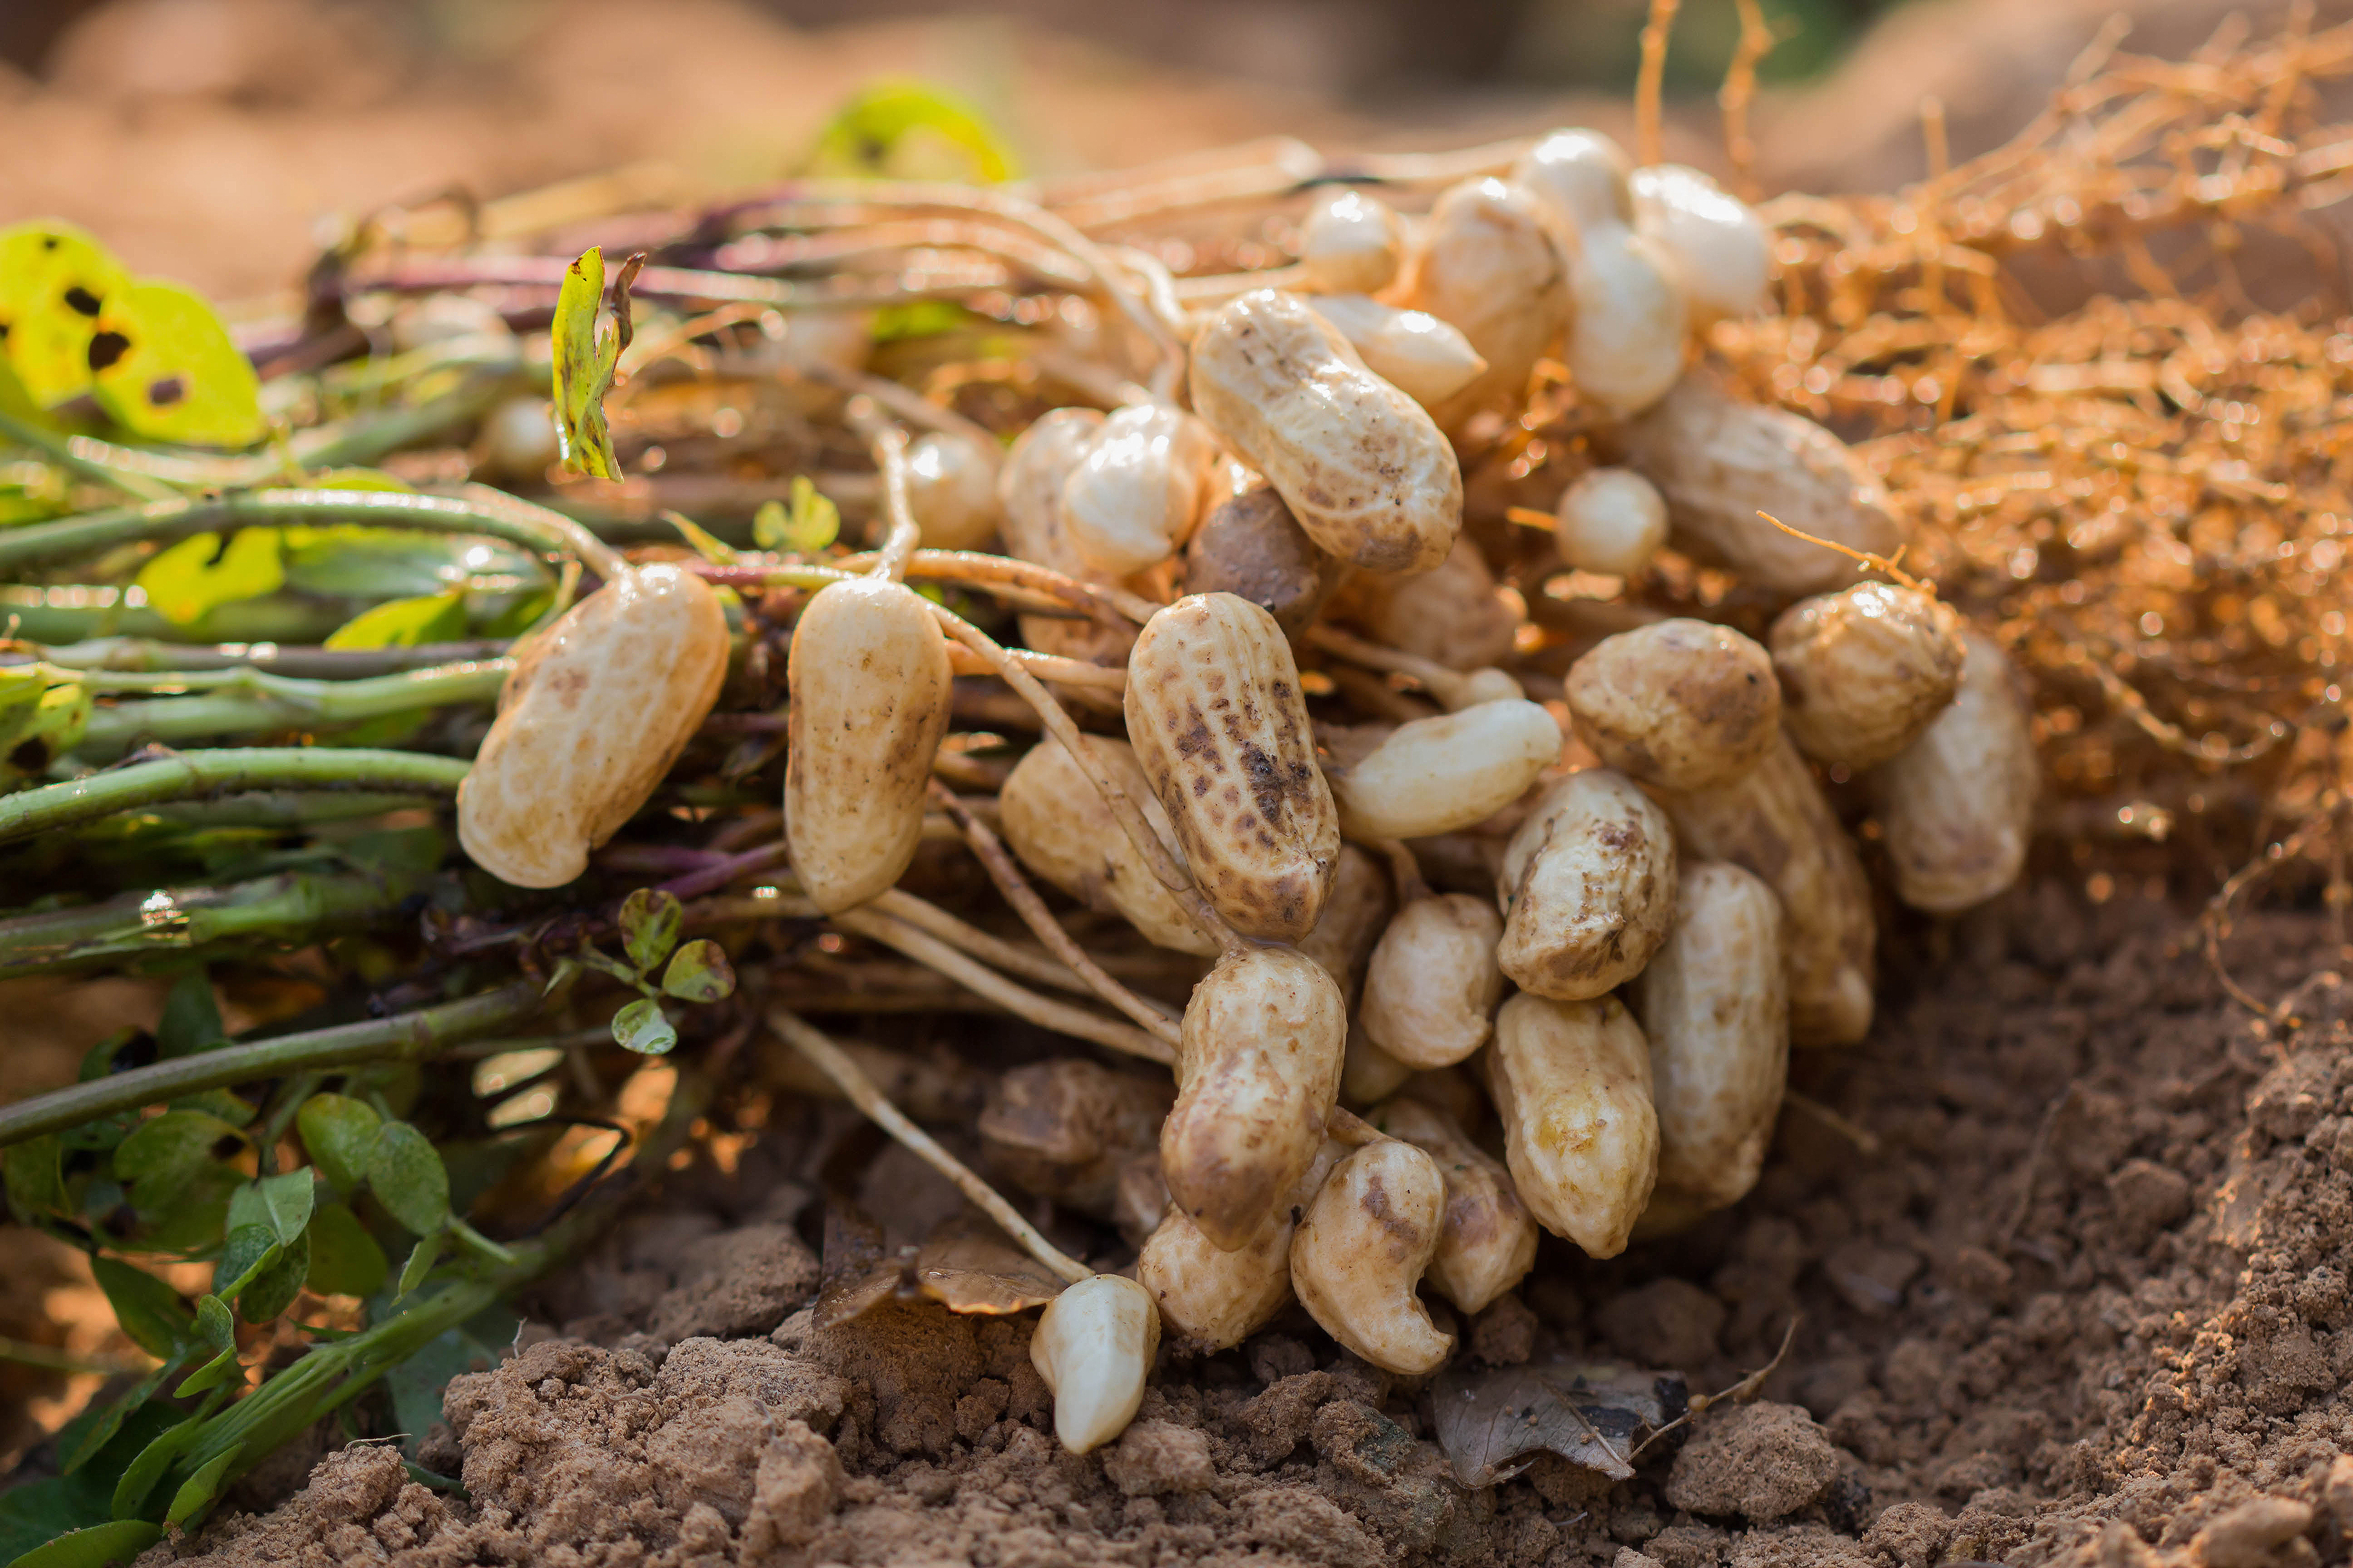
[(1586, 886), (1571, 1082)]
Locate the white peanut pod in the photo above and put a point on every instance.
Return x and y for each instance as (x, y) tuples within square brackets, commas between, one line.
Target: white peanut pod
[(1683, 703), (1355, 915), (1581, 179), (1571, 1081), (1220, 728), (1586, 886), (869, 684), (1716, 1007), (1030, 500), (1611, 520), (1487, 265), (1359, 463), (1427, 358), (1487, 1241), (1446, 772), (1218, 1299), (599, 706), (1137, 493), (1361, 1249), (1774, 821), (1351, 244), (1719, 461), (1058, 824), (1626, 345), (952, 490), (1094, 1346), (1454, 614), (1958, 805), (1432, 988), (1719, 245), (1865, 670), (1258, 1071)]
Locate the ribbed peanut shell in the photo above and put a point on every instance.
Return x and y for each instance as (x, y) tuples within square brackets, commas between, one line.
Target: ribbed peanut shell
[(1359, 463), (1362, 1248), (1030, 496), (599, 706), (1220, 730), (1719, 460), (1057, 823), (1683, 703), (1958, 806), (1586, 886), (1432, 988), (1257, 1070), (1774, 821), (1445, 772), (1571, 1081), (869, 684), (1487, 1241), (1715, 1005), (1487, 265), (1864, 671)]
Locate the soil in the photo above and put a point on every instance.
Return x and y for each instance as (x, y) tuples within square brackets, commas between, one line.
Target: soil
[(2080, 1295)]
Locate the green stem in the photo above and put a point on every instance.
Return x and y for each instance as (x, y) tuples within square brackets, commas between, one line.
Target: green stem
[(69, 612), (81, 455), (162, 662), (209, 772), (294, 906), (250, 699), (480, 510), (411, 1037)]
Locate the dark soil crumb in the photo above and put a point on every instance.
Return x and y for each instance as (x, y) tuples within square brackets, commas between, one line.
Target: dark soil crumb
[(2086, 1304)]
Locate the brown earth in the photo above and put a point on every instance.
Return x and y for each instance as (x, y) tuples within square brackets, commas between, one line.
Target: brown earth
[(2082, 1297)]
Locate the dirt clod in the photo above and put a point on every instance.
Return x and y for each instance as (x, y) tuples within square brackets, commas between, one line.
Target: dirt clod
[(1761, 1461)]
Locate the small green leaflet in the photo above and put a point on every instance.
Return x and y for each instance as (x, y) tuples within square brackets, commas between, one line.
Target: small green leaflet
[(172, 1146), (55, 279), (408, 1178), (909, 130), (650, 925), (344, 1258), (585, 361), (166, 369), (94, 1547), (192, 1016), (699, 973), (405, 623), (339, 1131), (196, 1493), (185, 581), (149, 1310), (812, 522), (643, 1028), (420, 1262), (36, 1185), (283, 1202)]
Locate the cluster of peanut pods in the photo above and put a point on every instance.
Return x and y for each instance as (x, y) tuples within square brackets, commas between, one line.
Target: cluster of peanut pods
[(1597, 1046)]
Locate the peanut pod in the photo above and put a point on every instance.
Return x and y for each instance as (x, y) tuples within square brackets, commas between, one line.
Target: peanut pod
[(1454, 614), (1218, 1299), (1958, 805), (1586, 887), (1487, 266), (1683, 703), (1352, 243), (1136, 493), (1487, 1241), (1865, 670), (1720, 248), (1428, 360), (1353, 918), (1030, 496), (1361, 1249), (1611, 520), (1432, 988), (1250, 545), (1058, 824), (1438, 775), (1093, 1346), (1066, 1129), (1571, 1082)]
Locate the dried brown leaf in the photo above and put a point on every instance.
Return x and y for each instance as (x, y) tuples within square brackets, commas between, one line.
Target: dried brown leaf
[(1493, 1423)]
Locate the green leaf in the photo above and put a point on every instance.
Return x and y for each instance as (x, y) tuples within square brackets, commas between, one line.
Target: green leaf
[(223, 1369), (172, 1146), (136, 1418), (196, 1493), (705, 543), (218, 1102), (585, 361), (186, 1215), (150, 1311), (36, 1186), (192, 1019), (55, 280), (420, 1262), (33, 737), (908, 129), (250, 1251), (96, 1546), (276, 1281), (346, 1260), (405, 623), (213, 1325), (339, 1131), (418, 1384), (699, 973), (650, 925), (644, 1027), (811, 524), (149, 1465), (282, 1202), (166, 369), (185, 581), (408, 1178)]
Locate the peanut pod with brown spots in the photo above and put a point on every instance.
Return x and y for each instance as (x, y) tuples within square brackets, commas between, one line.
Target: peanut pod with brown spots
[(1487, 1240), (1218, 1299), (1361, 1249), (1571, 1082), (1586, 887), (1682, 703), (1865, 670)]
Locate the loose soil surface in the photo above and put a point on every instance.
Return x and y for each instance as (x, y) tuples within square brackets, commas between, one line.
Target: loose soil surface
[(2080, 1293)]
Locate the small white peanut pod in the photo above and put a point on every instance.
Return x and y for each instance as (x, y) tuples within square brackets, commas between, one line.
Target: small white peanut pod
[(1958, 805), (1455, 614), (1258, 1071), (1432, 988), (1719, 245), (1446, 772), (870, 683), (1218, 1299), (1582, 180), (1351, 244), (1611, 520), (518, 441), (1137, 493), (1369, 1073), (1058, 824), (599, 706), (1029, 498), (1865, 670), (1571, 1081), (1359, 463), (1094, 1346), (1586, 886), (1774, 821), (952, 490), (1427, 358), (1361, 1249), (1488, 265), (1362, 898), (1220, 728), (1718, 461), (1487, 1242), (1683, 703), (1716, 1007), (1484, 686), (1626, 347)]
